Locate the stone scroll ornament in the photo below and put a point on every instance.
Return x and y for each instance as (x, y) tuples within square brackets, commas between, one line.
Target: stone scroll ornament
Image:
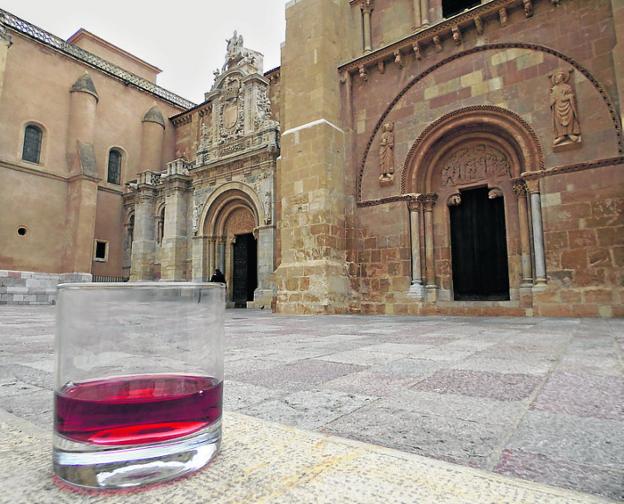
[(386, 154), (564, 109)]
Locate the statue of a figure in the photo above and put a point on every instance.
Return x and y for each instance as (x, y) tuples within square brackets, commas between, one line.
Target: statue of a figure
[(563, 105), (195, 218), (386, 153), (268, 208), (234, 50)]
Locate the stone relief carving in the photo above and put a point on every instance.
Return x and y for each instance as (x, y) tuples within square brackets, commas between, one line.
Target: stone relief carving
[(495, 193), (240, 222), (196, 218), (566, 124), (454, 200), (386, 154), (475, 162), (268, 208)]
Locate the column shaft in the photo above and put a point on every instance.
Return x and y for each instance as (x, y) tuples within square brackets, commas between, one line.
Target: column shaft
[(424, 12), (538, 238)]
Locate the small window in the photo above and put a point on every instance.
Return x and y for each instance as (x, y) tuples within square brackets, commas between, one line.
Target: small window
[(453, 7), (101, 251), (114, 167), (33, 135)]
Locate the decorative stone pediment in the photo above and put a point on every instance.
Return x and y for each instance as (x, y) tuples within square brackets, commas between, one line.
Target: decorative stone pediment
[(237, 115)]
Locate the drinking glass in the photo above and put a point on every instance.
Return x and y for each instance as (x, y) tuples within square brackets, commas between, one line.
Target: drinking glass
[(139, 381)]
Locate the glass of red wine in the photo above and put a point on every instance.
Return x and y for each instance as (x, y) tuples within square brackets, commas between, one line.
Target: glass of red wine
[(139, 382)]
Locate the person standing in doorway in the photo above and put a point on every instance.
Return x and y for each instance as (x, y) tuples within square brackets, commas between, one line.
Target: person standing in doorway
[(218, 277)]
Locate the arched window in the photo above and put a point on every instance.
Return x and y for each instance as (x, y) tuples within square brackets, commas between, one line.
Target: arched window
[(452, 7), (114, 167), (33, 137)]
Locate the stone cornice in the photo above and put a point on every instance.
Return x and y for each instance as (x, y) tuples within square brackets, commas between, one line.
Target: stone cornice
[(589, 165), (38, 172), (434, 36), (527, 176)]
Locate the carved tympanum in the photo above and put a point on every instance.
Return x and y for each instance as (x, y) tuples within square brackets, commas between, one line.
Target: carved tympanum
[(475, 162), (566, 123), (386, 154)]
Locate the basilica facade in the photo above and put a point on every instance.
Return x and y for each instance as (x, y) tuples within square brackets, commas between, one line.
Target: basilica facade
[(407, 157)]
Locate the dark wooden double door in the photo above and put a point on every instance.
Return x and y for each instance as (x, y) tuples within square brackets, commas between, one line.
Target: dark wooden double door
[(245, 272), (479, 248)]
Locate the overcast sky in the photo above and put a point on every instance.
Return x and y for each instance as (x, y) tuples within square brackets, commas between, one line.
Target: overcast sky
[(185, 38)]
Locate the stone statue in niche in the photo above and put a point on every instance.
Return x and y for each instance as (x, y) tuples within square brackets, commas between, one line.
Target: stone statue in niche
[(195, 218), (268, 208), (564, 110), (386, 154)]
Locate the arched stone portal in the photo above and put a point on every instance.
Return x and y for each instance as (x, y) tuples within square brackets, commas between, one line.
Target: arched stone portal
[(232, 237), (469, 208)]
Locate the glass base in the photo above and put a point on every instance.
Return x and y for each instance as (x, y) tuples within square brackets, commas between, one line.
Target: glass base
[(88, 466)]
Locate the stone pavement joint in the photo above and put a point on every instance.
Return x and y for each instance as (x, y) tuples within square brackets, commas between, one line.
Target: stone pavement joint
[(538, 399)]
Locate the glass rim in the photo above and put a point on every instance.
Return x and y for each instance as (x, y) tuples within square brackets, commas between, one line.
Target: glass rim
[(139, 285)]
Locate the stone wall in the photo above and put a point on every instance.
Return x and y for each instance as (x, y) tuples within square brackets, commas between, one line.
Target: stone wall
[(32, 288)]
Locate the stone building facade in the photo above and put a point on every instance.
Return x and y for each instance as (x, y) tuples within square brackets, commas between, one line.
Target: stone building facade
[(408, 157)]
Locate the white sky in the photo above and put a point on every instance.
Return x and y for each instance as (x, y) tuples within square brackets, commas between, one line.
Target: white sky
[(184, 38)]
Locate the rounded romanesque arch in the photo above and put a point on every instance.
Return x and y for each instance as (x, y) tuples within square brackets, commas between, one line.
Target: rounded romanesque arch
[(493, 128), (609, 112), (461, 162), (223, 200)]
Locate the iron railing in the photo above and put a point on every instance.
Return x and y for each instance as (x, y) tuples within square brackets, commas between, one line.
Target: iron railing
[(109, 279), (40, 35)]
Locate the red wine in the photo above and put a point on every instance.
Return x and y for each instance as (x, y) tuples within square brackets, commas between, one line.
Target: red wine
[(137, 409)]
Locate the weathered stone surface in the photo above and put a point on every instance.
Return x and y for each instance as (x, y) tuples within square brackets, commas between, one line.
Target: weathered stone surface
[(474, 417), (263, 461)]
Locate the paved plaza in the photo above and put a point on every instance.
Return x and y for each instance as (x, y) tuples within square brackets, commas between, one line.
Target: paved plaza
[(537, 399)]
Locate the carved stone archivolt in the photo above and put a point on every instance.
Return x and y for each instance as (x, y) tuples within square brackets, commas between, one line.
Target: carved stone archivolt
[(473, 163), (566, 125)]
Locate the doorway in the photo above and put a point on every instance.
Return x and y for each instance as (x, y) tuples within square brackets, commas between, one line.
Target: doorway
[(245, 270), (479, 247)]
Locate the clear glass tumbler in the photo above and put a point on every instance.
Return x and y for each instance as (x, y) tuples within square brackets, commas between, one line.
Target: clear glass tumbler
[(139, 381)]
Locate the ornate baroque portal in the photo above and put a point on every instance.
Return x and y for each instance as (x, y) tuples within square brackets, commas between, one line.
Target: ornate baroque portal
[(471, 239)]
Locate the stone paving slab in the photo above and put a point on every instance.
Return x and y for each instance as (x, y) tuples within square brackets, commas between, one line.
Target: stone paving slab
[(266, 462), (538, 399)]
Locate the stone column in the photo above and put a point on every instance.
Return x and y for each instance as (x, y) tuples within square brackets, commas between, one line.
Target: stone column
[(175, 236), (367, 10), (429, 201), (266, 265), (201, 265), (212, 256), (81, 205), (220, 243), (520, 190), (144, 245), (415, 212), (424, 12), (617, 52), (538, 232)]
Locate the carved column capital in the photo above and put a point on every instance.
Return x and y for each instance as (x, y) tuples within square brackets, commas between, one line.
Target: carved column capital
[(415, 203), (519, 188), (533, 185), (429, 201), (367, 6)]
